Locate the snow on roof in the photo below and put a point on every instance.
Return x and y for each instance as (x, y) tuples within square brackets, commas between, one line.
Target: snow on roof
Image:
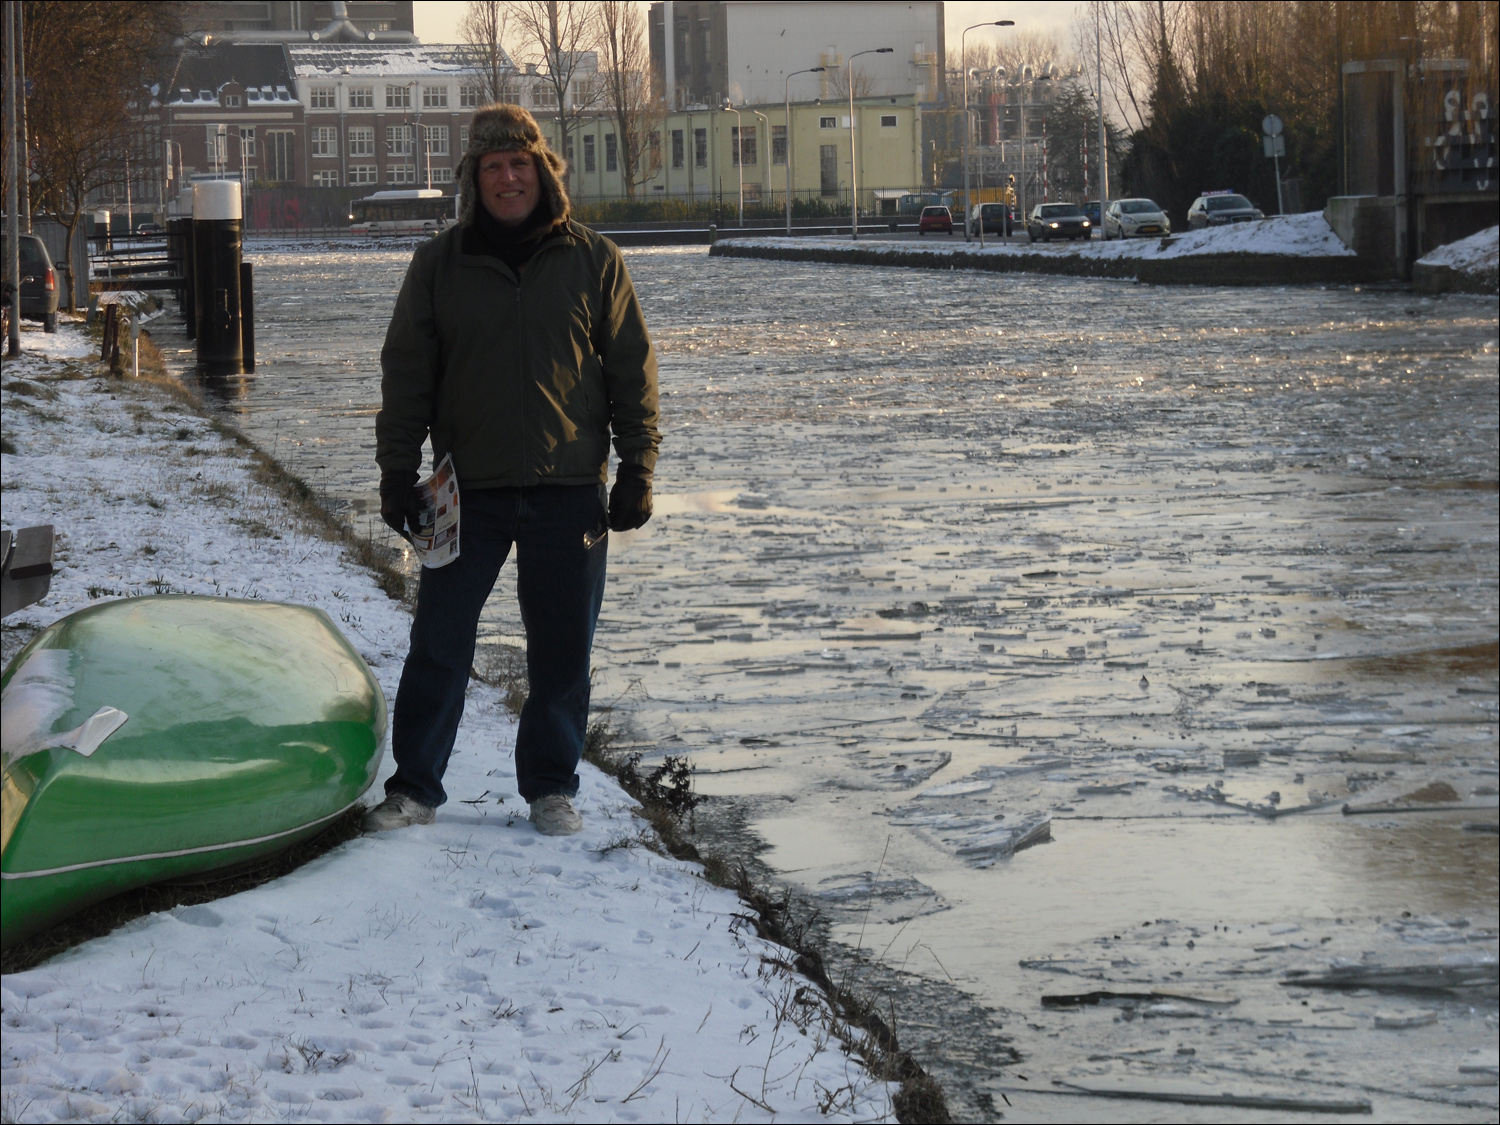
[(379, 60), (202, 72)]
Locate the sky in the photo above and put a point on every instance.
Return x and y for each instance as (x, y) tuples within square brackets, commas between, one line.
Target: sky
[(437, 20)]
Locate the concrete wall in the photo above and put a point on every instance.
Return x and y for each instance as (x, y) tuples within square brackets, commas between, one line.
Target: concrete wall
[(1367, 225)]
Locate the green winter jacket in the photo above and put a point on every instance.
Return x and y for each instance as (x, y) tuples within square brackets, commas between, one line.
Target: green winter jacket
[(520, 379)]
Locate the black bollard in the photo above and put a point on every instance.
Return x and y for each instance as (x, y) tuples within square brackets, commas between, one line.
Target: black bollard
[(247, 315), (216, 276)]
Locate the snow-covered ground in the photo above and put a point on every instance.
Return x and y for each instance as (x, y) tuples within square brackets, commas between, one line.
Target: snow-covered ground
[(470, 970), (1477, 253), (1307, 236)]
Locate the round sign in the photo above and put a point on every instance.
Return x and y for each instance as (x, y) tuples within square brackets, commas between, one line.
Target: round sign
[(1271, 126)]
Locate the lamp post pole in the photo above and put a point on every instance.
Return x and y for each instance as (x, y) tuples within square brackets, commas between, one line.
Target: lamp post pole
[(854, 152), (739, 164), (761, 141), (1103, 151), (787, 97), (964, 59)]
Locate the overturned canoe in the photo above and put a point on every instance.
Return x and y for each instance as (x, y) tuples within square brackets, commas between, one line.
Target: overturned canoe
[(157, 737)]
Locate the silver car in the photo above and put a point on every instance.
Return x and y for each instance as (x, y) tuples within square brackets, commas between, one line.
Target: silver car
[(1214, 208), (1132, 218)]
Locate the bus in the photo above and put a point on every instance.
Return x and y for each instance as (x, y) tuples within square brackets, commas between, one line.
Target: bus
[(389, 213)]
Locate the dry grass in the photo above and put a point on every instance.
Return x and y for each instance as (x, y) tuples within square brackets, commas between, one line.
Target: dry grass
[(296, 493), (667, 800), (503, 667)]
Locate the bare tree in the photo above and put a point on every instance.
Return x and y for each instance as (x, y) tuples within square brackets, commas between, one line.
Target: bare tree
[(483, 28), (1010, 48), (839, 81), (559, 36), (88, 62), (637, 114)]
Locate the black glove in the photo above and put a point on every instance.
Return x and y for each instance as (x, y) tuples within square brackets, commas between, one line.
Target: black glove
[(630, 499), (398, 501)]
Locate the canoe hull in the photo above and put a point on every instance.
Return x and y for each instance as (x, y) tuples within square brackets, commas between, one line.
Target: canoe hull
[(252, 725)]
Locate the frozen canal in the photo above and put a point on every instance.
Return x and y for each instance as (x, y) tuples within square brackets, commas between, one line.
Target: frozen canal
[(1148, 583)]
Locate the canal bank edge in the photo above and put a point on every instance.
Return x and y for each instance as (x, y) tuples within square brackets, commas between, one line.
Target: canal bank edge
[(919, 1099), (1202, 269)]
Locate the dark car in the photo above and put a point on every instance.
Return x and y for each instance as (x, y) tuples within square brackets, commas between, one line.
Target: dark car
[(1093, 213), (149, 228), (38, 283), (935, 218), (995, 217), (1057, 220), (1215, 208)]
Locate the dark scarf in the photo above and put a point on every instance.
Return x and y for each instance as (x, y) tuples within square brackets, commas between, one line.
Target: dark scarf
[(515, 245)]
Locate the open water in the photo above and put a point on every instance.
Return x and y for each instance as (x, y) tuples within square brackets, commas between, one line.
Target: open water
[(1040, 630)]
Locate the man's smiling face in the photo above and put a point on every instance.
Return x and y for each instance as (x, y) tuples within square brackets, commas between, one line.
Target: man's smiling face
[(508, 186)]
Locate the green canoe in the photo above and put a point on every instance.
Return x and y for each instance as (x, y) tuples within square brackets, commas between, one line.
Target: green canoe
[(157, 737)]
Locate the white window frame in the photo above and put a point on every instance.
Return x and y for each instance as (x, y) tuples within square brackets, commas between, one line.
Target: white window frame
[(434, 97), (324, 140), (397, 97), (323, 97), (398, 140), (361, 97), (438, 140), (363, 174), (401, 174), (326, 179), (361, 140), (469, 97)]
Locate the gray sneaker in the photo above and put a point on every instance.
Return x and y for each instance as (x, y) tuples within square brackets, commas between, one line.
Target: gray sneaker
[(554, 815), (397, 811)]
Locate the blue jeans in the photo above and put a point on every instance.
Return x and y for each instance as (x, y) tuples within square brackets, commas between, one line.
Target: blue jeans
[(560, 584)]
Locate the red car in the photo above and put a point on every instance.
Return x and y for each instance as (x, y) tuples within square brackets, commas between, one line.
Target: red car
[(935, 218)]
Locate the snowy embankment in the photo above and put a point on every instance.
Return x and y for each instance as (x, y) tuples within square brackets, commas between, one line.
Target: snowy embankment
[(470, 970), (1470, 265), (1290, 249)]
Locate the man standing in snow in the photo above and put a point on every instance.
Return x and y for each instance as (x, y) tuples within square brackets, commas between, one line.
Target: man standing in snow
[(517, 345)]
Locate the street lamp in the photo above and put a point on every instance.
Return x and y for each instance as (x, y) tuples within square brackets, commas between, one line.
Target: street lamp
[(738, 163), (761, 141), (786, 93), (853, 155), (964, 59)]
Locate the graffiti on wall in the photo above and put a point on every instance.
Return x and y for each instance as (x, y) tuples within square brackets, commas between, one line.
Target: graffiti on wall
[(1460, 149)]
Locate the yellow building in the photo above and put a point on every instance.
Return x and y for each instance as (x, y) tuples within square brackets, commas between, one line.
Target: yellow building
[(694, 157)]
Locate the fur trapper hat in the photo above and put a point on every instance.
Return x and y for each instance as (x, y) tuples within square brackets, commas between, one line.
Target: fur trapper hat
[(509, 128)]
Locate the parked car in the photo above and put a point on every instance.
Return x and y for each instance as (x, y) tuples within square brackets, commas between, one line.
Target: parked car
[(1214, 208), (935, 218), (150, 228), (1091, 212), (38, 282), (996, 218), (1131, 218), (1057, 220)]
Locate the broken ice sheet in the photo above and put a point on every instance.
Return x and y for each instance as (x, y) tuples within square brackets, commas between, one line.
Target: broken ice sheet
[(896, 769), (977, 838), (890, 899)]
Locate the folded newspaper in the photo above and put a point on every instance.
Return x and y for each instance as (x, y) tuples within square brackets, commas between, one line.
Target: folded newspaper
[(435, 538)]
